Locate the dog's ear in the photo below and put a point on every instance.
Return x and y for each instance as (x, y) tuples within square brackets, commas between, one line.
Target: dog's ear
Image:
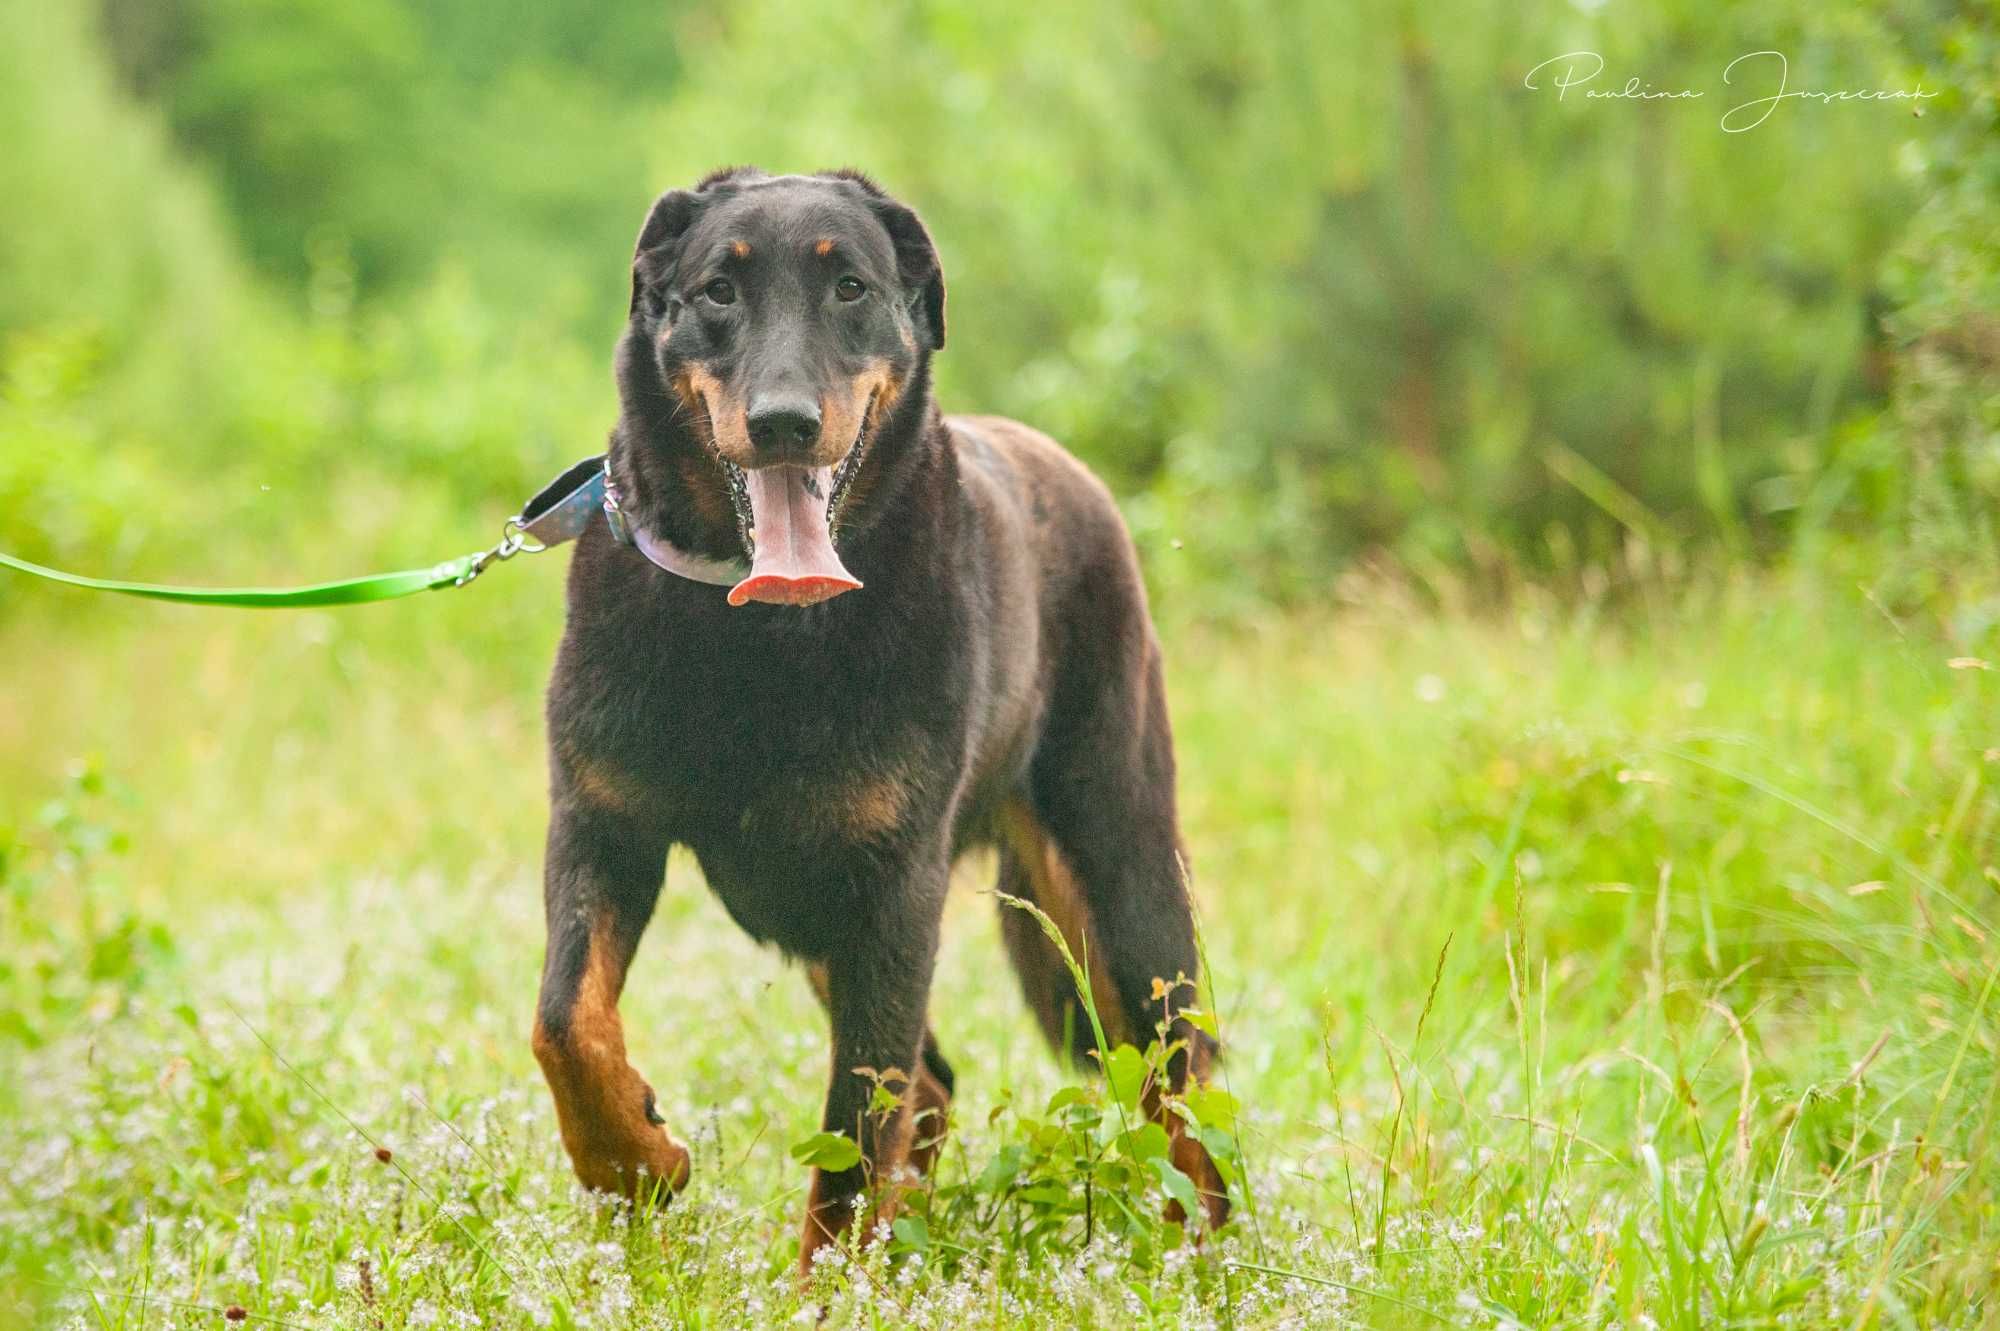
[(653, 257), (917, 265)]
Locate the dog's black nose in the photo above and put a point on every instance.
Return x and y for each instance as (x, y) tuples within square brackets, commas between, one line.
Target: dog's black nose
[(779, 422)]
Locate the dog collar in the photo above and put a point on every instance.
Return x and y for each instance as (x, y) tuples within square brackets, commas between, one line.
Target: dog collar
[(567, 504), (663, 553)]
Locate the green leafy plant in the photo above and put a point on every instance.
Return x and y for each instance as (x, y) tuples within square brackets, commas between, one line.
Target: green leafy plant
[(1088, 1162), (75, 944)]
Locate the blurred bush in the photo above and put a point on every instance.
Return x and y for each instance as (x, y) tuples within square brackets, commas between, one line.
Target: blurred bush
[(1303, 281), (1944, 284)]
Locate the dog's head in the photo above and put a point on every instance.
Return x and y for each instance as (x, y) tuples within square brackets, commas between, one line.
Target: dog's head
[(780, 320)]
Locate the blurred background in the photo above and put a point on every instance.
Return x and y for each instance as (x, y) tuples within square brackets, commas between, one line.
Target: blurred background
[(276, 275)]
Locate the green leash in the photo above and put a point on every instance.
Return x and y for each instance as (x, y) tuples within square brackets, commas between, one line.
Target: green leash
[(352, 591), (557, 514)]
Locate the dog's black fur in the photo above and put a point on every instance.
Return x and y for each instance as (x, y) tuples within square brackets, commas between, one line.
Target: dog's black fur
[(997, 681)]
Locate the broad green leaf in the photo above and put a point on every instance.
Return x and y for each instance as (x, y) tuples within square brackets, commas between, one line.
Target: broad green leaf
[(1148, 1141), (1215, 1107), (1046, 1194), (828, 1150), (1178, 1185), (1221, 1151), (1125, 1070), (1201, 1020)]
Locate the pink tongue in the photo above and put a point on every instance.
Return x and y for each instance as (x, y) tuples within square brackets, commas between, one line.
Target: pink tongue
[(793, 561)]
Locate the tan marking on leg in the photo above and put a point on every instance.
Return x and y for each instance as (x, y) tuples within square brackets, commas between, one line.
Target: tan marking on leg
[(1186, 1152), (1192, 1158), (865, 808), (605, 786), (601, 1100), (859, 807), (930, 1108), (1061, 898)]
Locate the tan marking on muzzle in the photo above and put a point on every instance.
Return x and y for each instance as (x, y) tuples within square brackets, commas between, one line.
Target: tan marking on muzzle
[(860, 409), (728, 428), (707, 488), (877, 391)]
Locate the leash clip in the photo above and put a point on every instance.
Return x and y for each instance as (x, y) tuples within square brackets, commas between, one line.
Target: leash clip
[(514, 540), (614, 515)]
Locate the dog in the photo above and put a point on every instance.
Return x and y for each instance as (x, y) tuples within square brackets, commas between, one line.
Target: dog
[(935, 637)]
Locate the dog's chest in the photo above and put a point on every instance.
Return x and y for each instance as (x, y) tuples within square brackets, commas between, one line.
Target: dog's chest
[(783, 750), (801, 829)]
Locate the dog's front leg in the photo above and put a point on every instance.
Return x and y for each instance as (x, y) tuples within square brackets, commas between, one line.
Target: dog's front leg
[(878, 983), (601, 879)]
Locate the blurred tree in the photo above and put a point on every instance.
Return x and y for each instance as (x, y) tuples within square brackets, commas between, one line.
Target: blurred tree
[(399, 131)]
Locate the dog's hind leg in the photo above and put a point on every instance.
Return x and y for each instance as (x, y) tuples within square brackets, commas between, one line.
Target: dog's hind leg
[(1033, 870), (601, 878), (1095, 840)]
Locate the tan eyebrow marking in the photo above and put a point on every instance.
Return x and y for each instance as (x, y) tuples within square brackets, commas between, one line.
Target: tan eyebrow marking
[(740, 248), (824, 248)]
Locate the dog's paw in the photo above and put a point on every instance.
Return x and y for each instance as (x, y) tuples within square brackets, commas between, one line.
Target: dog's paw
[(649, 1167)]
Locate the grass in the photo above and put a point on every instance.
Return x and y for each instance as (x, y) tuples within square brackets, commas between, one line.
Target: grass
[(1577, 968)]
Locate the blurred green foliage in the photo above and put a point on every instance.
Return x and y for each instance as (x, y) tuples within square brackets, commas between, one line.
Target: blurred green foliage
[(1944, 279), (1303, 281)]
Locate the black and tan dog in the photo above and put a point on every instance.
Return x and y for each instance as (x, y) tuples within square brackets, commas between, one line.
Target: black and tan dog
[(827, 755)]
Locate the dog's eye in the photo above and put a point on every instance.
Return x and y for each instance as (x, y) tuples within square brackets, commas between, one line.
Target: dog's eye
[(849, 288), (720, 292)]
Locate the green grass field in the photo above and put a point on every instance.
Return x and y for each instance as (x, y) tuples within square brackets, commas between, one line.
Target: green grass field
[(1578, 965)]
